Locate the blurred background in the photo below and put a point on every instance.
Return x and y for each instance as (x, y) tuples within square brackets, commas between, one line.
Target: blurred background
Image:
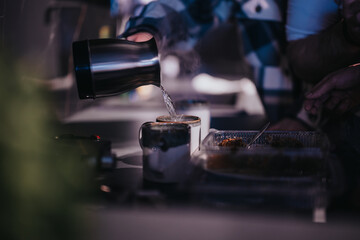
[(42, 196), (38, 36), (36, 51)]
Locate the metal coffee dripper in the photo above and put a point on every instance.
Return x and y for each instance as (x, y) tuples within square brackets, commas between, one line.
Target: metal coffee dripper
[(105, 67)]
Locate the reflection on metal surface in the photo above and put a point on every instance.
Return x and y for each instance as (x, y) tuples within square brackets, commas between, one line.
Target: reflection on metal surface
[(118, 66)]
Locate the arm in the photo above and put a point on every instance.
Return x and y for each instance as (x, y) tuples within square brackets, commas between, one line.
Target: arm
[(317, 42), (338, 92), (305, 20)]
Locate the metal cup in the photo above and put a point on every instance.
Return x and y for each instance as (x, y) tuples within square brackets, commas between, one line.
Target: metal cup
[(105, 67), (193, 121), (166, 151)]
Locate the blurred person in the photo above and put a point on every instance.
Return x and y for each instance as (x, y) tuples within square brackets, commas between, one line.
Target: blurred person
[(256, 26), (323, 38), (324, 51), (339, 73)]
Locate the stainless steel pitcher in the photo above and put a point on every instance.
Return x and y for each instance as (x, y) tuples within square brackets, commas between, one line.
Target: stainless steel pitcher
[(106, 67)]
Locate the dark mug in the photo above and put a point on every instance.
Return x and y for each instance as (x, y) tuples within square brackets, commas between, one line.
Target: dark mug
[(166, 151)]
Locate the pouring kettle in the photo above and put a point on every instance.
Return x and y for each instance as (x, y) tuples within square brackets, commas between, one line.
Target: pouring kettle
[(106, 67)]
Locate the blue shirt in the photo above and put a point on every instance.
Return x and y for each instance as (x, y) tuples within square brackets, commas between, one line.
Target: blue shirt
[(307, 17), (179, 24)]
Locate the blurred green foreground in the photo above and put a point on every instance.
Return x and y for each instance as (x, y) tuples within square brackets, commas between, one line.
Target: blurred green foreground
[(42, 184)]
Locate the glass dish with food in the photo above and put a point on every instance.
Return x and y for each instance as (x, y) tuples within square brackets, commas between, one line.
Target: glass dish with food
[(280, 168), (275, 155)]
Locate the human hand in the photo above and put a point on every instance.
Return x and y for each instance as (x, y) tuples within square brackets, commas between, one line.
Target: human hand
[(338, 92), (288, 124), (140, 37), (351, 14)]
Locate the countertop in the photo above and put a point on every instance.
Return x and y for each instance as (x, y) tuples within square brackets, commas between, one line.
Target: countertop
[(133, 208)]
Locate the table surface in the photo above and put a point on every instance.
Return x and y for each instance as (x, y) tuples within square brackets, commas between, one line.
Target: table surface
[(138, 209), (134, 208)]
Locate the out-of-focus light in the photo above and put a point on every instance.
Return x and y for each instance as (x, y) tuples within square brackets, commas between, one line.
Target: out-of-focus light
[(104, 31), (145, 1), (205, 83), (319, 215), (145, 92), (247, 86), (105, 188), (170, 66)]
